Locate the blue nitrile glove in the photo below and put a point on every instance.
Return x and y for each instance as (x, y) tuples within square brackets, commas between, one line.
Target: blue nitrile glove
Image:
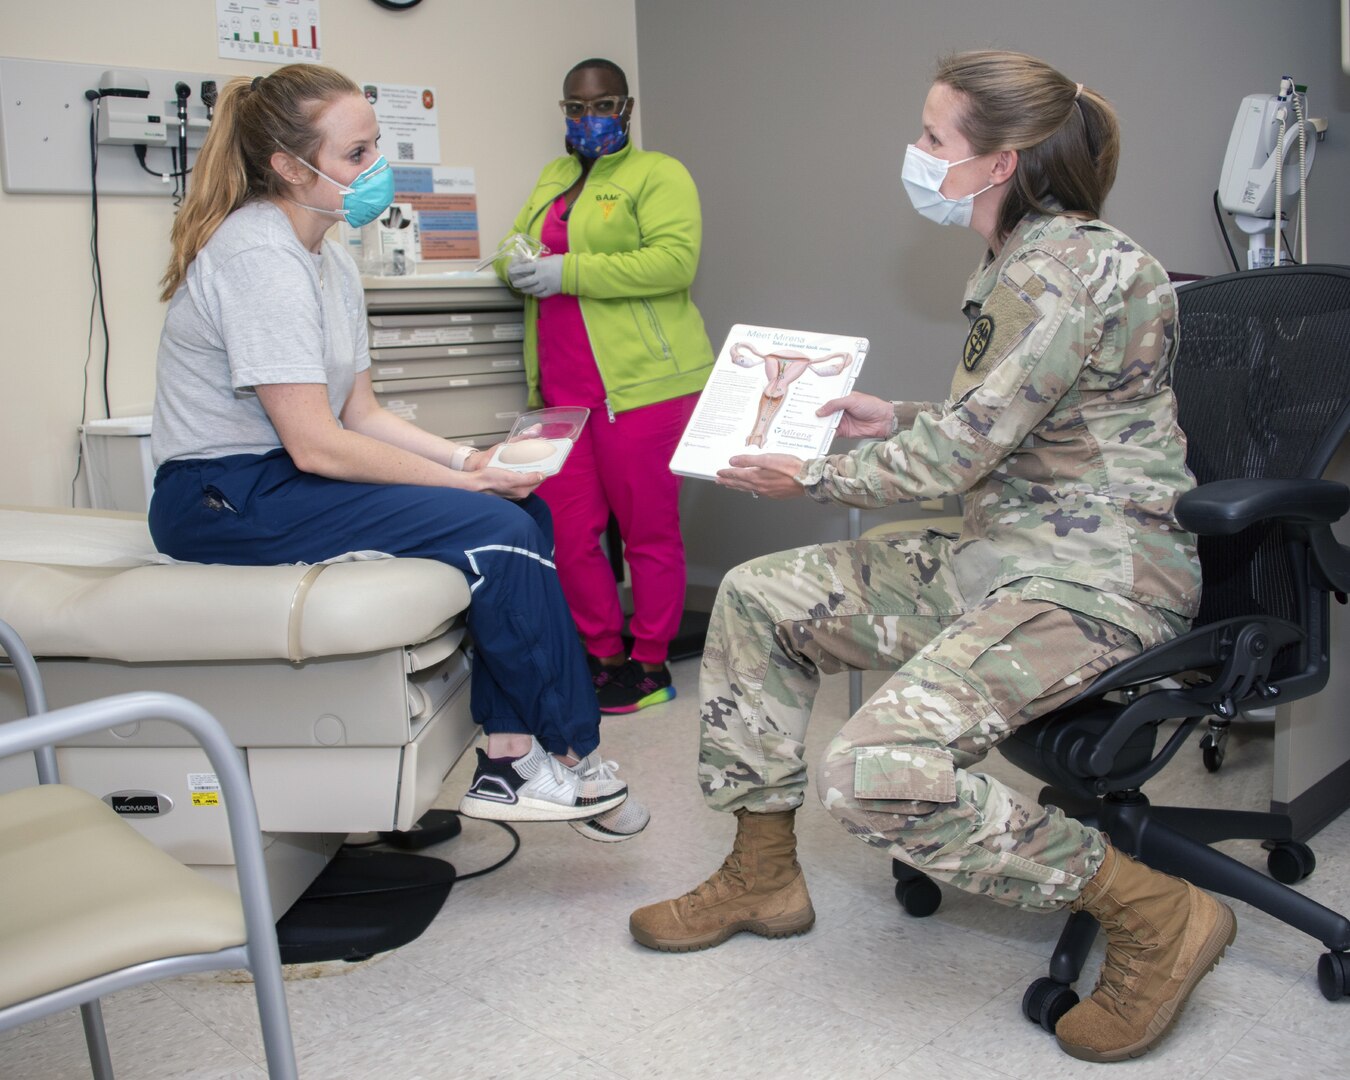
[(541, 278)]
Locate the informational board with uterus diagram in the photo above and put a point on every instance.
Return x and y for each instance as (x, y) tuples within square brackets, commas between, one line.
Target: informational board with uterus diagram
[(762, 397)]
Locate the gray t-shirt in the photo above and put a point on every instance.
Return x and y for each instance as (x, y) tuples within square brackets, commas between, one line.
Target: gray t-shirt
[(255, 308)]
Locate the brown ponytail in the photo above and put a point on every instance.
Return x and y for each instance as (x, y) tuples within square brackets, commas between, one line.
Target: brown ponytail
[(253, 119), (1066, 135)]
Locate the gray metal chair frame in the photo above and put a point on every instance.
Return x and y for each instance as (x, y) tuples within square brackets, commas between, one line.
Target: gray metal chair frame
[(259, 955)]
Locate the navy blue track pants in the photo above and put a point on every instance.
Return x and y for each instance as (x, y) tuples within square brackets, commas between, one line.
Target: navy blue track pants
[(529, 673)]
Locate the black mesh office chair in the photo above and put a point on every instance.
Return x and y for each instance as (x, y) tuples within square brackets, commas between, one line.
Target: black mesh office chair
[(1262, 381)]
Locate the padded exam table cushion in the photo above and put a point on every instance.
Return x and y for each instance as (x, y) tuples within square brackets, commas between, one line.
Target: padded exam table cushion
[(87, 583)]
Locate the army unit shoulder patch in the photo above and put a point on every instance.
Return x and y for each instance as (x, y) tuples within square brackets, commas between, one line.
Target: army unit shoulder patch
[(977, 342), (1004, 320)]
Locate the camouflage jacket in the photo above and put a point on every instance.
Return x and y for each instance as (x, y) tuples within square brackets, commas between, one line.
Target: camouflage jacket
[(1061, 428)]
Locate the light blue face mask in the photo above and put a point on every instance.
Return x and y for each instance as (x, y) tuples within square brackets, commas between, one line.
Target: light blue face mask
[(923, 174), (366, 199)]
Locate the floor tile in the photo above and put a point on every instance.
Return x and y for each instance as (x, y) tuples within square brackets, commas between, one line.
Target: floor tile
[(933, 1063), (320, 1008), (444, 1034), (150, 1037), (1267, 1052), (752, 1030)]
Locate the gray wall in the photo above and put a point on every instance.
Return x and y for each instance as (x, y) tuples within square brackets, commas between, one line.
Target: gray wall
[(793, 116)]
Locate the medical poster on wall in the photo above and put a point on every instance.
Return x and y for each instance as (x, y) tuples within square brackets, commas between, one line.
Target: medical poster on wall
[(409, 122), (270, 31), (762, 397), (445, 202)]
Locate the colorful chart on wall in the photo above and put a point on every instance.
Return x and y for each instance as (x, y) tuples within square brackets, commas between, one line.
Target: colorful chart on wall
[(269, 31), (446, 204)]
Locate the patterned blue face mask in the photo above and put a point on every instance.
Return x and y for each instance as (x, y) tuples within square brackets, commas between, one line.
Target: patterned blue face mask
[(595, 136), (368, 196)]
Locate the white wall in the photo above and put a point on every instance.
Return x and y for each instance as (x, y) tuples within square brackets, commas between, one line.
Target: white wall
[(497, 67)]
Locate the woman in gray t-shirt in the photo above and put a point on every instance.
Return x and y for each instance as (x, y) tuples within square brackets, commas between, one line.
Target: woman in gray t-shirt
[(272, 448)]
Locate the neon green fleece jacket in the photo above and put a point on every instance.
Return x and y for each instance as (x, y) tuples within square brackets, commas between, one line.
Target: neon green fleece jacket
[(634, 235)]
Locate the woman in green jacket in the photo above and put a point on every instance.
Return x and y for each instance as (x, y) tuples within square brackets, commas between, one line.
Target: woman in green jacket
[(609, 325)]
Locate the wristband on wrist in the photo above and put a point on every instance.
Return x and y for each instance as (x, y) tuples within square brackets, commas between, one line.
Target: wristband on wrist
[(459, 457)]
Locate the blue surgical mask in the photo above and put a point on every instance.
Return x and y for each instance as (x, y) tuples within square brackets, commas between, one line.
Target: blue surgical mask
[(923, 175), (596, 136), (368, 196)]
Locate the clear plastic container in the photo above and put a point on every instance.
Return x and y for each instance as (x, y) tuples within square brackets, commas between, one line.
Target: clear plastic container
[(540, 441)]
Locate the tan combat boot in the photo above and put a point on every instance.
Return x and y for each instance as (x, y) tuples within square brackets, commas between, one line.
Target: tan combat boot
[(759, 888), (1162, 936)]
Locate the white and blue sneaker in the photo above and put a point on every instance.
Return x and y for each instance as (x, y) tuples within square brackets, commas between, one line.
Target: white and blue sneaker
[(624, 821), (538, 787)]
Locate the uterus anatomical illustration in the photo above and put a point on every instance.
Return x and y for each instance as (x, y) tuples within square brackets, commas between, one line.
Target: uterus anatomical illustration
[(782, 367)]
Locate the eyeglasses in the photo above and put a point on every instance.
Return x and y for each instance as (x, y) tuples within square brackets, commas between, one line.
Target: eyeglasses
[(575, 109)]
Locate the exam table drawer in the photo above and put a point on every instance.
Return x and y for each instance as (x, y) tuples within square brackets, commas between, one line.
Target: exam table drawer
[(360, 789)]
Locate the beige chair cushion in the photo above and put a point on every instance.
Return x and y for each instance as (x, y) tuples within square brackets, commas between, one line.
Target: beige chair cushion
[(83, 894)]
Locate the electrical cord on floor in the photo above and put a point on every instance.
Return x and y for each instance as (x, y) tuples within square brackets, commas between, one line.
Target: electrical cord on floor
[(515, 846)]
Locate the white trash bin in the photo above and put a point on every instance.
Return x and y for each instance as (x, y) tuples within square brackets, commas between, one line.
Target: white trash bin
[(118, 465)]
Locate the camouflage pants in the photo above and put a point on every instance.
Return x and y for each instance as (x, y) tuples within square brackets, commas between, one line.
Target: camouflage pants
[(966, 675)]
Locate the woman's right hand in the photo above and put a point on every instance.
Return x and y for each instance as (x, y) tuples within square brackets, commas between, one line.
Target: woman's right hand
[(865, 416), (507, 483)]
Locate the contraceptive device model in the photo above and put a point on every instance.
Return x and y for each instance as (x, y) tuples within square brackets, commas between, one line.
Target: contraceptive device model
[(1253, 186), (763, 395)]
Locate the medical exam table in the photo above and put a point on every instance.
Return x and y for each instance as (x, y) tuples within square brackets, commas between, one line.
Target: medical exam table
[(345, 684)]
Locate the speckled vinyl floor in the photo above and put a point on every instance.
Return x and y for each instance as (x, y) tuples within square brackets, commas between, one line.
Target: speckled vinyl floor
[(530, 972)]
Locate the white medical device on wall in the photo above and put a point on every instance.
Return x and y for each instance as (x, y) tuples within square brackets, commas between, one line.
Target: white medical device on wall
[(1269, 155), (1345, 36)]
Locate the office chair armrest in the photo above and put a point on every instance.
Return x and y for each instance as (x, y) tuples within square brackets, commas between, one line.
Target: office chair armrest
[(1330, 560), (1225, 507)]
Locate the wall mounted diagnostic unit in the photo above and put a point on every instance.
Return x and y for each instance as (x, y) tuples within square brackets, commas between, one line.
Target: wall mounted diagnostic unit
[(126, 115), (45, 112), (1270, 153)]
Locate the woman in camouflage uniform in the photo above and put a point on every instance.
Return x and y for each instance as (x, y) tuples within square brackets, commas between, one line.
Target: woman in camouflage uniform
[(1060, 432)]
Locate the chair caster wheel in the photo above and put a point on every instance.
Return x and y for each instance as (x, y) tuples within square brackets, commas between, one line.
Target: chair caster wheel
[(1289, 862), (1333, 975), (1046, 1001), (1214, 745), (917, 893)]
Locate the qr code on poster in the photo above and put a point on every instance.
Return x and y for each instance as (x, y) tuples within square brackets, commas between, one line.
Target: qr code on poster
[(405, 151)]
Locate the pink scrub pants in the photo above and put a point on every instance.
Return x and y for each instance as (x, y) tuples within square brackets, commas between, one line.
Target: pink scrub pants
[(623, 466)]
